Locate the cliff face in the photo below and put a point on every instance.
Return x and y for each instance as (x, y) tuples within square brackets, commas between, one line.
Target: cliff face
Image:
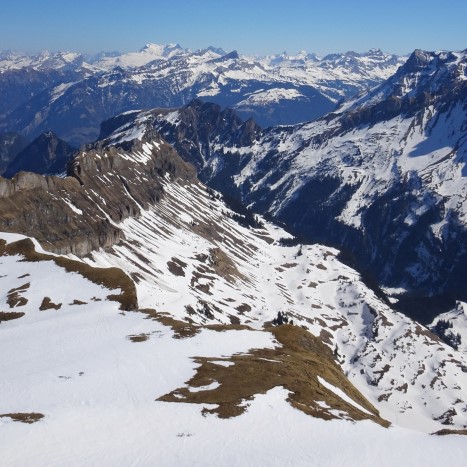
[(119, 180)]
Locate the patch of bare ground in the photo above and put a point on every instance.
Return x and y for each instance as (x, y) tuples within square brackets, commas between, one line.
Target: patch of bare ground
[(265, 237), (176, 267), (138, 337), (447, 431), (78, 302), (15, 300), (384, 397), (14, 297), (328, 253), (47, 304), (295, 365), (180, 329), (31, 417), (10, 315), (136, 277), (223, 266), (110, 278), (243, 308)]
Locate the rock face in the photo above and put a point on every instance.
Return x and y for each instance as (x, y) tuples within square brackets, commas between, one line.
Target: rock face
[(47, 154), (194, 130), (382, 178), (77, 214)]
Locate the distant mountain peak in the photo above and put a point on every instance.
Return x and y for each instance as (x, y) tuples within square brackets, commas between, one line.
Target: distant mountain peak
[(158, 48)]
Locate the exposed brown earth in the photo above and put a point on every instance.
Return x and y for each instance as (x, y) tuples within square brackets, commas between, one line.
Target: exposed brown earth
[(295, 365)]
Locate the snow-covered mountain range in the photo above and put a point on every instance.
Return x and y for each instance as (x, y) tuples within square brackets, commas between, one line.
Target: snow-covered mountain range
[(194, 259), (144, 309), (70, 94)]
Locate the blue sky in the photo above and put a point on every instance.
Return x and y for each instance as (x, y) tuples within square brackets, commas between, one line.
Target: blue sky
[(251, 27)]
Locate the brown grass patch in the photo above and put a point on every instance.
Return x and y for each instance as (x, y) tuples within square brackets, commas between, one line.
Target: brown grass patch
[(384, 397), (14, 297), (138, 337), (243, 308), (223, 266), (78, 302), (177, 267), (15, 300), (294, 366), (10, 315), (110, 278), (180, 329), (31, 417), (447, 431), (47, 304), (21, 288)]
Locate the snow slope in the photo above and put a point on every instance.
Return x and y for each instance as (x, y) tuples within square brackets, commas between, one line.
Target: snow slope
[(190, 259), (97, 389)]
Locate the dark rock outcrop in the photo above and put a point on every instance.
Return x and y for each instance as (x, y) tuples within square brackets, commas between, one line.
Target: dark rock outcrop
[(79, 213)]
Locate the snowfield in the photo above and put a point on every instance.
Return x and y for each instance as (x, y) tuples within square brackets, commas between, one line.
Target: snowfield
[(97, 390)]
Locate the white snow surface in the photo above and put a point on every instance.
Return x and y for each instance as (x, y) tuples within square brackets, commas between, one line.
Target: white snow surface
[(269, 96), (342, 395), (97, 391)]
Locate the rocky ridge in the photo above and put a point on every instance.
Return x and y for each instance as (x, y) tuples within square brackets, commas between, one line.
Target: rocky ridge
[(61, 212), (47, 154)]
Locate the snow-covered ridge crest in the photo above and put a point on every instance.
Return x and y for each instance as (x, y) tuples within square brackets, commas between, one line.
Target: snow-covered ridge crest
[(45, 60), (429, 72)]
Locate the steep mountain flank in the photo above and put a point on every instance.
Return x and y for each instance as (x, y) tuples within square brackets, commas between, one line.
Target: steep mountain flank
[(10, 145), (47, 154), (382, 178)]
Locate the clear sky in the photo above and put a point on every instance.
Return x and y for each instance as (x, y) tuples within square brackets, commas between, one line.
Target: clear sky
[(249, 26)]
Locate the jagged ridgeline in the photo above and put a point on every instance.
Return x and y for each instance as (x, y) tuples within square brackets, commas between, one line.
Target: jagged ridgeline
[(70, 94), (78, 213)]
